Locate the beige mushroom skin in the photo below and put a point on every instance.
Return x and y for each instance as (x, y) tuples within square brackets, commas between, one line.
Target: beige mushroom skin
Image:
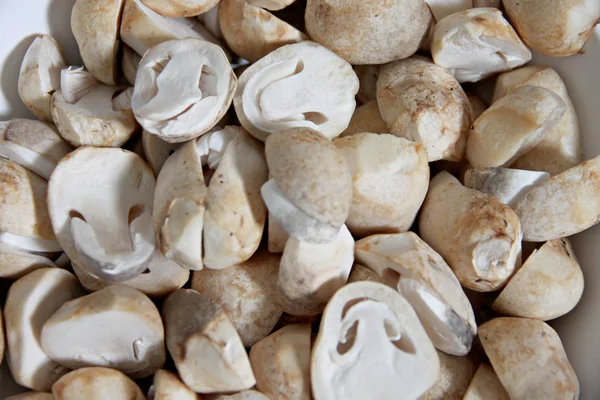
[(156, 150), (243, 395), (423, 102), (167, 386), (486, 386), (31, 396), (96, 383), (455, 375), (529, 359), (2, 339), (180, 8), (476, 234), (367, 75), (478, 105), (277, 237), (16, 263), (366, 118), (272, 5)]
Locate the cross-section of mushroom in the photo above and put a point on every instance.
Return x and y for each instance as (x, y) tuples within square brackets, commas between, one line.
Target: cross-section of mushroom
[(96, 383), (167, 386), (486, 386), (180, 8), (100, 203), (302, 85), (371, 345)]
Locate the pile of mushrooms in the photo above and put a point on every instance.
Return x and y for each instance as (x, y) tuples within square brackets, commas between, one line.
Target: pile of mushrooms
[(311, 210)]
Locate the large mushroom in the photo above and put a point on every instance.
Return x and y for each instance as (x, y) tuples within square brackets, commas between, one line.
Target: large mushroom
[(167, 386), (180, 8), (96, 383)]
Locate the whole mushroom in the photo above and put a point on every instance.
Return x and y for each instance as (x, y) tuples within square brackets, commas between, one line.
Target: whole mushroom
[(96, 383)]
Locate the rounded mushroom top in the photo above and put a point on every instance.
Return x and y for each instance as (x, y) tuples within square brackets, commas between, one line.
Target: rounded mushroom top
[(182, 89), (301, 85)]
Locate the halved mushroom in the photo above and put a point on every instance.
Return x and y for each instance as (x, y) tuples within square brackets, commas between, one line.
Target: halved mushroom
[(529, 359), (478, 105), (367, 75), (207, 351), (513, 126), (31, 396), (117, 327), (243, 395), (293, 87), (96, 383), (281, 363), (476, 234), (486, 386), (406, 263), (156, 150), (15, 263), (31, 301), (182, 89), (455, 375), (371, 345), (39, 76), (423, 102), (442, 8), (100, 203), (167, 386), (366, 118), (276, 236), (310, 192), (180, 8), (476, 43), (390, 176), (129, 63)]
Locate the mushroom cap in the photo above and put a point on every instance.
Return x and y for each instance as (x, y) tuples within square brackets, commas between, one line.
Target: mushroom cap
[(129, 63), (390, 176), (478, 105), (39, 75), (474, 44), (292, 87), (366, 118), (100, 203), (16, 263), (423, 102), (486, 386), (368, 32), (96, 383), (455, 375), (167, 386), (31, 396), (367, 75), (247, 292), (156, 150), (31, 301), (180, 8), (529, 359), (277, 237), (371, 345), (117, 326)]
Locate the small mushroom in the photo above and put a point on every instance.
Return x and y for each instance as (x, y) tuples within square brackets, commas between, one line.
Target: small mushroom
[(442, 8), (529, 359), (130, 60), (100, 204), (16, 263), (207, 351), (367, 75), (277, 237), (31, 396), (156, 150), (366, 118), (486, 386), (455, 375), (390, 176), (513, 126), (167, 386), (371, 345), (477, 43), (243, 395), (182, 89), (476, 234), (180, 8), (39, 76), (96, 383), (293, 87), (117, 327), (478, 105), (281, 363), (310, 192), (31, 301), (423, 102)]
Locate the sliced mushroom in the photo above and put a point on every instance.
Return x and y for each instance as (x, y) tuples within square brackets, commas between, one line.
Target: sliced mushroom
[(486, 386), (281, 363), (96, 383), (367, 75), (310, 192), (423, 102), (207, 351), (407, 264), (129, 63), (39, 76), (442, 8), (183, 88), (371, 345), (476, 43), (529, 359), (455, 375), (243, 395), (513, 126), (31, 396), (292, 87), (478, 105), (117, 327), (167, 386), (16, 263), (366, 118), (390, 176), (277, 237), (180, 8), (31, 301), (476, 234)]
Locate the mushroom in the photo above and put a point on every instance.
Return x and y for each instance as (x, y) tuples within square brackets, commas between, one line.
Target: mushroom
[(35, 145), (182, 89), (442, 8), (207, 351), (15, 263), (117, 327), (486, 386), (366, 118), (561, 148), (31, 301), (96, 30), (406, 263), (390, 176), (156, 150), (272, 5), (559, 31), (548, 285), (367, 75), (129, 63), (96, 383), (31, 396), (478, 105), (368, 32), (39, 76), (562, 206), (100, 204), (180, 8), (423, 102), (455, 375), (488, 3), (529, 359), (476, 234), (247, 292), (294, 87), (243, 395), (310, 192), (167, 386), (276, 236), (477, 43), (371, 345), (2, 340), (281, 363), (361, 273), (513, 126), (210, 19)]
